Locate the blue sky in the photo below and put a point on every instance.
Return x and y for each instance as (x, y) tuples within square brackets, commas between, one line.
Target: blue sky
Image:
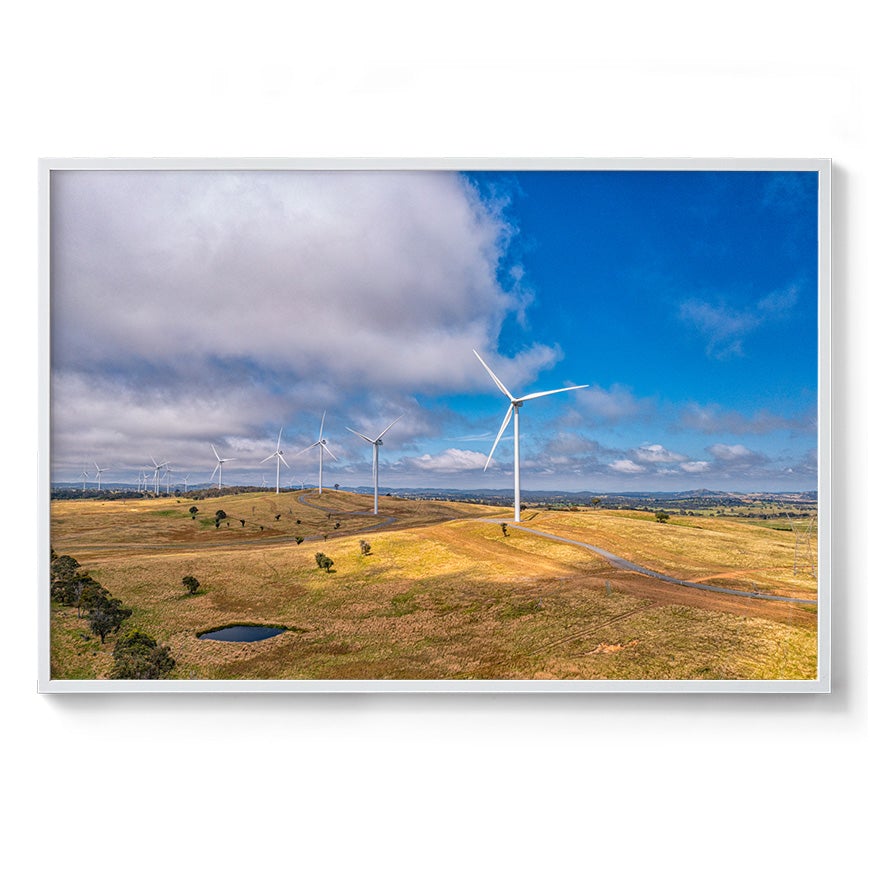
[(216, 307)]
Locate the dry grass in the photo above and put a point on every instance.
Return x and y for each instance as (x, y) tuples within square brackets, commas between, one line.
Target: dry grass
[(437, 599), (720, 551)]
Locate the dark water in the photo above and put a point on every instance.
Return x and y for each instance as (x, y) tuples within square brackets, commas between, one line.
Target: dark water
[(243, 633)]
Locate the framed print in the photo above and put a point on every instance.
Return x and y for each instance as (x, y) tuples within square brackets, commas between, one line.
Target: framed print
[(442, 426)]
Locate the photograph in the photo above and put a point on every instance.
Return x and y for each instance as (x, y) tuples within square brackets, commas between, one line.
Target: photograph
[(440, 426)]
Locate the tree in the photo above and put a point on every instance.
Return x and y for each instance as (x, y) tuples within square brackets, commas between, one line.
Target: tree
[(193, 512), (107, 617), (63, 567), (595, 502), (220, 514), (139, 657), (191, 583), (504, 530), (323, 561), (662, 517), (299, 539)]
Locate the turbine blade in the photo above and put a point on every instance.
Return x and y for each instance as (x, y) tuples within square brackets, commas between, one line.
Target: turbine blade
[(283, 460), (389, 427), (364, 437), (550, 392), (215, 471), (330, 453), (504, 423), (215, 453), (498, 383), (322, 420), (276, 453), (278, 445), (308, 448)]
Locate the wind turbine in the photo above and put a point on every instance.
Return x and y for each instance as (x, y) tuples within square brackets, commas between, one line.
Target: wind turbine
[(157, 466), (84, 476), (99, 474), (375, 442), (218, 469), (321, 443), (278, 456), (185, 482), (514, 408)]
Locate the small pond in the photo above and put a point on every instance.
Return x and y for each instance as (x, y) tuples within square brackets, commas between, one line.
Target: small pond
[(243, 633)]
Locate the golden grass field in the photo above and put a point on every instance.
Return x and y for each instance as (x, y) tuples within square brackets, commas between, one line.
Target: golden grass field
[(441, 596)]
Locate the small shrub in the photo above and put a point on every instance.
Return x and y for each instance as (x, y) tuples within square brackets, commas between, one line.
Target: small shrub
[(662, 517), (365, 548), (299, 539), (139, 657), (191, 583)]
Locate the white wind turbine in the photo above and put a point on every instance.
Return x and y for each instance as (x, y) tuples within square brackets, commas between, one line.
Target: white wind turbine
[(278, 456), (186, 478), (157, 466), (321, 443), (375, 442), (99, 474), (218, 469), (514, 408), (84, 477)]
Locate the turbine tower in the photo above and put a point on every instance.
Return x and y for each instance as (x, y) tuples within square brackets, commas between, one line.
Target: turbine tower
[(321, 443), (278, 456), (514, 408), (218, 469), (375, 442), (99, 474)]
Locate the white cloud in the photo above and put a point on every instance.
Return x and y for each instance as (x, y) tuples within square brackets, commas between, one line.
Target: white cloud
[(695, 466), (360, 278), (657, 453), (626, 466), (450, 460), (725, 327), (731, 452)]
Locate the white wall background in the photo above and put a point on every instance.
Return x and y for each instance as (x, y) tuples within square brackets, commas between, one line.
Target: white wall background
[(615, 781)]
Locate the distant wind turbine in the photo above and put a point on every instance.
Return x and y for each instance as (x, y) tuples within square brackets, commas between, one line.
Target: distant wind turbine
[(321, 443), (99, 474), (84, 477), (187, 477), (218, 469), (375, 442), (157, 466), (278, 456), (514, 408)]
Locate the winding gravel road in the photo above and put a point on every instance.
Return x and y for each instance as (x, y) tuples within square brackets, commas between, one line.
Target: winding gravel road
[(625, 565)]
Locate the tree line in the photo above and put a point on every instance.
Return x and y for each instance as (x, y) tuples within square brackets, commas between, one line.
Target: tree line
[(136, 656)]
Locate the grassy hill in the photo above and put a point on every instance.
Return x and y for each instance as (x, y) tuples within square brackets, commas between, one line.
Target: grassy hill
[(441, 595)]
